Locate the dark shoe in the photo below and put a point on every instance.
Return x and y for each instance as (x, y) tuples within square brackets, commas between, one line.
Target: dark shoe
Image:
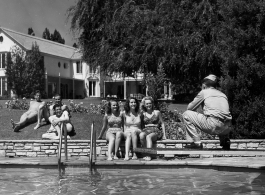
[(194, 146), (226, 144)]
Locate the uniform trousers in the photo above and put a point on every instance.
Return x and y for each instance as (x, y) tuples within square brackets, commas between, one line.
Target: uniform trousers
[(195, 121)]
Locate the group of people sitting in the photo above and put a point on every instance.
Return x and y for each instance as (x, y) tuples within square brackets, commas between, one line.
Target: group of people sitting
[(39, 112), (138, 121), (146, 124)]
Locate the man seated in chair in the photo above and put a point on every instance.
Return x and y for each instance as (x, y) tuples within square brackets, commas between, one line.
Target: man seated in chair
[(56, 121), (37, 108)]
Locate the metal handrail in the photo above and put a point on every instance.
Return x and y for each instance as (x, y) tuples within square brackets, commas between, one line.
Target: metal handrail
[(60, 146), (92, 147)]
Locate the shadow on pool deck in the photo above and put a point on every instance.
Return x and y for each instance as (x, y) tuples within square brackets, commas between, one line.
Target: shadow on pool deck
[(232, 163)]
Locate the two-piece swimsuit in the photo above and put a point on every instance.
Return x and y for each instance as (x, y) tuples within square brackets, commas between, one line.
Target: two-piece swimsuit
[(132, 123), (115, 123), (153, 120)]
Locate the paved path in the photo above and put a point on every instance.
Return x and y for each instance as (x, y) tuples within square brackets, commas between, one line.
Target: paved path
[(255, 163)]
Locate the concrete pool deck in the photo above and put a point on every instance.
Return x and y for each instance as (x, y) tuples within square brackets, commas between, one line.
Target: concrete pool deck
[(253, 163)]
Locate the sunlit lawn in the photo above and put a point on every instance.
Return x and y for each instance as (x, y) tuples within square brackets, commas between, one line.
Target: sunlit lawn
[(82, 122)]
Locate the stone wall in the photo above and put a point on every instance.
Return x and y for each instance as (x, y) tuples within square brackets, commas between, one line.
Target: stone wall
[(49, 148)]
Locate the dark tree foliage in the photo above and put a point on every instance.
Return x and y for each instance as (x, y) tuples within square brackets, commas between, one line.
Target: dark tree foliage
[(46, 34), (190, 39), (55, 36), (25, 71), (31, 32), (75, 45)]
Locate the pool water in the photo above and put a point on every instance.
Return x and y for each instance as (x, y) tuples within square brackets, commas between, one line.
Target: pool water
[(80, 181)]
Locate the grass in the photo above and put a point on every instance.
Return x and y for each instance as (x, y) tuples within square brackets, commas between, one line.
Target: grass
[(81, 122)]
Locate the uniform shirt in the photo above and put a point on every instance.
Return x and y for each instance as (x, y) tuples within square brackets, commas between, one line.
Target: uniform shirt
[(214, 103)]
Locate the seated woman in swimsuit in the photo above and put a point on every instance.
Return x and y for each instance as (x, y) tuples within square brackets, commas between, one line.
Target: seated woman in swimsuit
[(132, 121), (152, 121), (113, 121)]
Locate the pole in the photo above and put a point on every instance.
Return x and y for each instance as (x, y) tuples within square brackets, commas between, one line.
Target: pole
[(65, 142), (91, 148)]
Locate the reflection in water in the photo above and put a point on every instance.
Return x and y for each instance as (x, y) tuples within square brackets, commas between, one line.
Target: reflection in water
[(80, 181)]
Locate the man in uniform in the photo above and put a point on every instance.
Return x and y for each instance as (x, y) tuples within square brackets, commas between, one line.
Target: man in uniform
[(31, 116), (216, 118)]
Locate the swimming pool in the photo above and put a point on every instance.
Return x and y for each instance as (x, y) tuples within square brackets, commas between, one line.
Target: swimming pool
[(80, 181)]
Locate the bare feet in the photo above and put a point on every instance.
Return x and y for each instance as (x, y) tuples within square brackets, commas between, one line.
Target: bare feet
[(147, 158), (116, 158), (37, 126), (110, 159), (134, 157), (126, 158)]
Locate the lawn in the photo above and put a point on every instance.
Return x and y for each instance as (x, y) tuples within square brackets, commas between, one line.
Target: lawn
[(82, 122)]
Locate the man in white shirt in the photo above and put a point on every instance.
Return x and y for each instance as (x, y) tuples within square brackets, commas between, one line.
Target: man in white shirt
[(56, 122), (216, 117)]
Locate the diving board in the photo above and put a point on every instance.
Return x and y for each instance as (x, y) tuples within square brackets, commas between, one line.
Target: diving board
[(184, 151)]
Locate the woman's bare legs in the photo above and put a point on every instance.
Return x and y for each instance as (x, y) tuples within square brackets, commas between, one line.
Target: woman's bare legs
[(134, 143), (152, 137), (142, 137), (128, 137), (110, 137), (119, 136)]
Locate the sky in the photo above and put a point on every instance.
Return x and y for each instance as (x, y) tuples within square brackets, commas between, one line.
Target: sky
[(19, 15)]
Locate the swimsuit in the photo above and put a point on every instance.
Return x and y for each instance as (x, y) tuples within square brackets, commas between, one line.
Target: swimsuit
[(114, 123), (153, 120), (132, 123)]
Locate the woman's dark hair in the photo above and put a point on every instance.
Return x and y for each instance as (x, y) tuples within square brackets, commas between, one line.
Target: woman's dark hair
[(143, 103), (127, 105), (108, 107), (209, 83)]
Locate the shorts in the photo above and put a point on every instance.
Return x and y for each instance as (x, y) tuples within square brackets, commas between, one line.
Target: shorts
[(114, 130), (156, 130), (129, 130)]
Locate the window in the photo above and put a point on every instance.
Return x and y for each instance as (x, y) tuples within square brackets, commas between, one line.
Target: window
[(2, 86), (1, 39), (2, 60), (59, 64), (78, 67), (65, 65)]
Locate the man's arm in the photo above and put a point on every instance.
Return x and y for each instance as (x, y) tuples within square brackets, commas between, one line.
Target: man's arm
[(198, 100)]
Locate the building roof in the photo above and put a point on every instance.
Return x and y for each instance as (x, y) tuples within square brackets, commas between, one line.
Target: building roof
[(45, 46)]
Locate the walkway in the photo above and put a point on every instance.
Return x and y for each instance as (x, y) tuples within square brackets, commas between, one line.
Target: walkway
[(255, 163)]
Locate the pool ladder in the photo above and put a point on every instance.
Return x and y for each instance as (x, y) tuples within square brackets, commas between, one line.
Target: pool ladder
[(93, 152), (60, 147)]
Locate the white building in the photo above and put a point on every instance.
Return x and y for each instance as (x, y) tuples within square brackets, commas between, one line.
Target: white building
[(65, 73)]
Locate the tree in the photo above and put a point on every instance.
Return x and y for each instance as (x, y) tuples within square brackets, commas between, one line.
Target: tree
[(56, 37), (75, 45), (25, 71), (46, 34), (31, 32), (189, 39)]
